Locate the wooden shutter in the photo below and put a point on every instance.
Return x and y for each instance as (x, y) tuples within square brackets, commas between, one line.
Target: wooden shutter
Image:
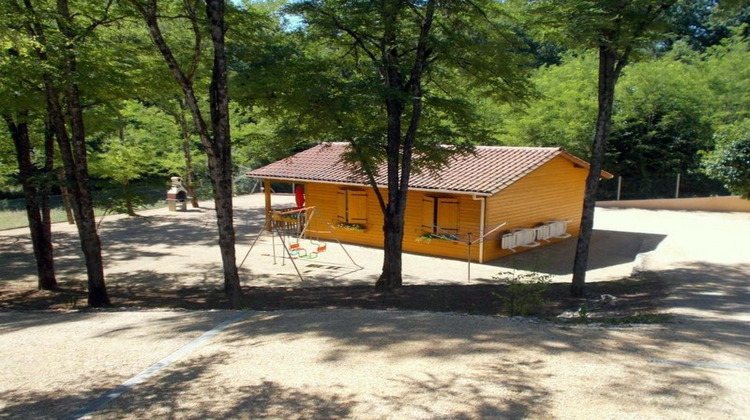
[(341, 206), (447, 215), (428, 214), (357, 207)]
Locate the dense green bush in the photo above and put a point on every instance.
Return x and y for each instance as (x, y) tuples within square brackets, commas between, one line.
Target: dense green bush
[(525, 292)]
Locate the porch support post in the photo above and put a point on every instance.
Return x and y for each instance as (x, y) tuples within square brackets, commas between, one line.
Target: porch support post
[(267, 193)]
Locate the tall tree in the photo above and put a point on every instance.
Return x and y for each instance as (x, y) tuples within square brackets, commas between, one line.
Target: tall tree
[(659, 127), (616, 29), (37, 212), (73, 150), (403, 61), (20, 110), (560, 115), (214, 134), (57, 33)]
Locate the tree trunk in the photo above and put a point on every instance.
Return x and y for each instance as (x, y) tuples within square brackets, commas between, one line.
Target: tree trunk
[(41, 238), (393, 217), (186, 150), (610, 67), (73, 153), (399, 146), (65, 195), (78, 167), (222, 160), (393, 232), (49, 175), (129, 208), (217, 147)]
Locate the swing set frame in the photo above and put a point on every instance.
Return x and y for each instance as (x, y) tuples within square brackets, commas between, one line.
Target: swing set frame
[(282, 222)]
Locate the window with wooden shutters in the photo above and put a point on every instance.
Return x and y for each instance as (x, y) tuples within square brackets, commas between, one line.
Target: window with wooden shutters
[(447, 215), (351, 207), (357, 207), (440, 215)]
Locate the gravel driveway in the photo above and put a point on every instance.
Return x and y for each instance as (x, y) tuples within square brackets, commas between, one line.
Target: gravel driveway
[(374, 365)]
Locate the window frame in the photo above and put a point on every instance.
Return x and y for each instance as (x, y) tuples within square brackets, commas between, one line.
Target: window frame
[(351, 207)]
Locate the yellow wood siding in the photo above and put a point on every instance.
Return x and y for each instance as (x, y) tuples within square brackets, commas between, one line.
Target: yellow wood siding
[(428, 214), (551, 192), (325, 198)]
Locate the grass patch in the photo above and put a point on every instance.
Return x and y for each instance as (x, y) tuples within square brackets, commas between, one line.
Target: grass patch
[(12, 219)]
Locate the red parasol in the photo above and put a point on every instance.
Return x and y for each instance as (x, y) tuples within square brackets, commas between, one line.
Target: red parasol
[(299, 196)]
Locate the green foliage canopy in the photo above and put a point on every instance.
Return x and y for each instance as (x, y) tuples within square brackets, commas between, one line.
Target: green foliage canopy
[(324, 79), (730, 161)]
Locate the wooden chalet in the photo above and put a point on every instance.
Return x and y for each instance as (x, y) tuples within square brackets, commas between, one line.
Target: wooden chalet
[(503, 199)]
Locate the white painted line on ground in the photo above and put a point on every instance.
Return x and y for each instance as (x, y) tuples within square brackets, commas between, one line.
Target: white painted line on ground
[(702, 364), (100, 402)]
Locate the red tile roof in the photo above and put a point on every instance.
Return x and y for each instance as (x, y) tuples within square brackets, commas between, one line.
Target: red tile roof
[(487, 171)]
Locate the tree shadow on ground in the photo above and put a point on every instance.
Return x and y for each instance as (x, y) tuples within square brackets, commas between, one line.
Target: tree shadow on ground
[(24, 404), (191, 389), (74, 403), (18, 256), (454, 396), (176, 322), (676, 391), (702, 286), (607, 248), (127, 238), (512, 386), (198, 387), (151, 289)]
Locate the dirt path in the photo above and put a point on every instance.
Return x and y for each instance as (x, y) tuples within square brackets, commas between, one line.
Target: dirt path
[(367, 364)]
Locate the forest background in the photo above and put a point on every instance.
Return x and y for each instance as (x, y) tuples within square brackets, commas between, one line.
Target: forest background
[(679, 108)]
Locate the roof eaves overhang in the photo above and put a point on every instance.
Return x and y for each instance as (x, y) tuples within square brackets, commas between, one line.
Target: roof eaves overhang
[(356, 184), (575, 160), (582, 163)]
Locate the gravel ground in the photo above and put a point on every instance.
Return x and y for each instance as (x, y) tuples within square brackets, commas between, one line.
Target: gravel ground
[(394, 364), (179, 249)]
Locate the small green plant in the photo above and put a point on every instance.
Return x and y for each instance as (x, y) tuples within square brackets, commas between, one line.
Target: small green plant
[(356, 227), (72, 303), (525, 292), (428, 237), (584, 312)]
